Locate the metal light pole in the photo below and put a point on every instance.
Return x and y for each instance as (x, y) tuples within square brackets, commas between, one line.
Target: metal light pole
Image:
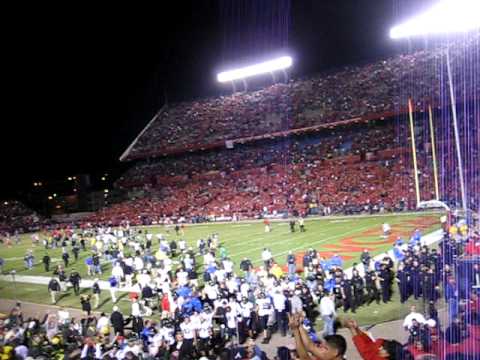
[(447, 16), (455, 131)]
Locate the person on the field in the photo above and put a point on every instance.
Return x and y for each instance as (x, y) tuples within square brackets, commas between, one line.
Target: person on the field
[(96, 293), (386, 230), (349, 302), (358, 286), (385, 283), (268, 228), (85, 302), (29, 259), (328, 313), (267, 258), (75, 281), (371, 285), (301, 224), (76, 252), (291, 264), (113, 288), (292, 225), (54, 288), (65, 257), (62, 277), (46, 262), (365, 258)]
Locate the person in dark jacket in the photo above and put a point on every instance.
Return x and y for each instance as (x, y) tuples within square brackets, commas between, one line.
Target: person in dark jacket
[(96, 293), (75, 280), (54, 289), (117, 320), (65, 257), (46, 262), (85, 302)]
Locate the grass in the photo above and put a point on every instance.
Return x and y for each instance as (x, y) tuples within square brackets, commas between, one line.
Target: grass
[(346, 236)]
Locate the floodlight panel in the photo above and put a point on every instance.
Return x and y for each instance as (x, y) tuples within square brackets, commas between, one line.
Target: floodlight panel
[(280, 63), (448, 16)]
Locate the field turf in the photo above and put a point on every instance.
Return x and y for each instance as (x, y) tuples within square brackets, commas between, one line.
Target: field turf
[(347, 236)]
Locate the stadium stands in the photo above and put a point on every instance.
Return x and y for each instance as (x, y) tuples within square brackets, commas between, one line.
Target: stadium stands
[(14, 215), (369, 91)]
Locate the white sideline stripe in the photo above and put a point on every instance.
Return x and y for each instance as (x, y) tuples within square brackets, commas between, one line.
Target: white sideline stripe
[(313, 218), (44, 280), (428, 239), (241, 225)]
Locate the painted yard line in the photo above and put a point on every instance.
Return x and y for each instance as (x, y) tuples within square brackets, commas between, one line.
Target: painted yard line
[(269, 242), (266, 238), (317, 242), (316, 218)]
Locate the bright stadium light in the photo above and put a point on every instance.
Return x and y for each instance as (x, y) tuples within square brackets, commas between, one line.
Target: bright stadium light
[(280, 63), (448, 16)]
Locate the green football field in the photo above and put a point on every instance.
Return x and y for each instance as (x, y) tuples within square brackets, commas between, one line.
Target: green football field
[(347, 236)]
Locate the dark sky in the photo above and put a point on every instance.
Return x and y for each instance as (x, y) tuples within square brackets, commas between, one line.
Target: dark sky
[(82, 82)]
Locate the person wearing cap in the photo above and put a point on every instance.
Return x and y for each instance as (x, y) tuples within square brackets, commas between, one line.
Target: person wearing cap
[(374, 349)]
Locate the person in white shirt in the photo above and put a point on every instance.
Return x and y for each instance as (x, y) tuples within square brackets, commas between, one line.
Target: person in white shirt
[(136, 308), (386, 230), (414, 315), (246, 308), (228, 266), (279, 304), (182, 277), (117, 272), (266, 257), (188, 331), (264, 311), (204, 334), (182, 245), (231, 317), (328, 313)]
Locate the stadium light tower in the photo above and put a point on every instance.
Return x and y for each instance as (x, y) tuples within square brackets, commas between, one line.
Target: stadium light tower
[(446, 17), (266, 67)]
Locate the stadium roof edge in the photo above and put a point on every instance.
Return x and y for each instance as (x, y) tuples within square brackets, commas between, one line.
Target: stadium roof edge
[(125, 154)]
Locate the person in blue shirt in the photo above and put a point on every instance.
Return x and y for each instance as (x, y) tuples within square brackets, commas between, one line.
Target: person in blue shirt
[(336, 261)]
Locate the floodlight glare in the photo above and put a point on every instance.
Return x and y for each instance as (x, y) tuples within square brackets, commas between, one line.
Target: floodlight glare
[(448, 16), (280, 63)]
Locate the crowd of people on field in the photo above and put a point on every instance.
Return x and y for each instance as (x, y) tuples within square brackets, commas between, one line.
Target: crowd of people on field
[(191, 301)]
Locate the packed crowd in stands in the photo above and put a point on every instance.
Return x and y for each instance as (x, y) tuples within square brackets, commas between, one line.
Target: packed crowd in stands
[(357, 91), (16, 217), (358, 168), (181, 309)]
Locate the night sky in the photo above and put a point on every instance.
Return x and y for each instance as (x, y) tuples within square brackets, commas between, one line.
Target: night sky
[(82, 82)]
